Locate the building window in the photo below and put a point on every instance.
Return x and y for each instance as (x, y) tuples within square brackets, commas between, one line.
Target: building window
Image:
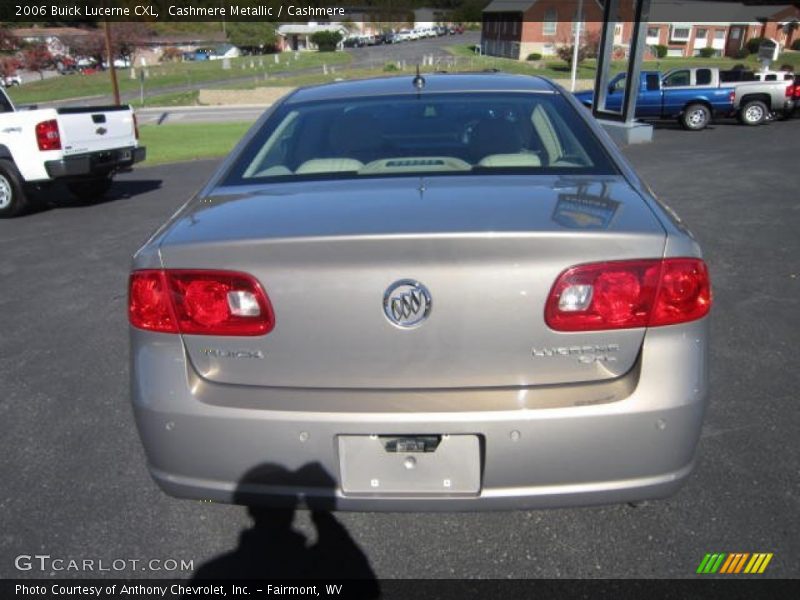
[(550, 22), (680, 33), (652, 32), (701, 34), (719, 34)]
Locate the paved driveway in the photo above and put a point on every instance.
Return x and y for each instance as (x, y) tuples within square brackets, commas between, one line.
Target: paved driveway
[(74, 484)]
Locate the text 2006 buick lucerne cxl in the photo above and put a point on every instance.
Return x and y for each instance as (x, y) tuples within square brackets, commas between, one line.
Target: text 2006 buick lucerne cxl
[(447, 293)]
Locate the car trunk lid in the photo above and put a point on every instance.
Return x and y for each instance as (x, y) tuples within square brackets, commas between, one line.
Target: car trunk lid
[(487, 249)]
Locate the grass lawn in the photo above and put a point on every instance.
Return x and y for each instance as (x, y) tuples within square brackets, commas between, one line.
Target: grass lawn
[(190, 141), (177, 99), (170, 74)]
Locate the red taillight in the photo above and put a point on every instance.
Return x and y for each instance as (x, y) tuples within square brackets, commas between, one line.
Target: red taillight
[(135, 127), (732, 97), (199, 302), (790, 90), (149, 306), (627, 294), (47, 135)]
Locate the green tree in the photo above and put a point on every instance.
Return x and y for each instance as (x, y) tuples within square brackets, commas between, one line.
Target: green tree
[(252, 36), (326, 41)]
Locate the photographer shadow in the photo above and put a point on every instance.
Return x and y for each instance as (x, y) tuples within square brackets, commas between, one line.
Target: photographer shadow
[(272, 549)]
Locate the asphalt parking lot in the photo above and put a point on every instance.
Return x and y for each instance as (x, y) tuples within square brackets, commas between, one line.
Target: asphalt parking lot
[(74, 482)]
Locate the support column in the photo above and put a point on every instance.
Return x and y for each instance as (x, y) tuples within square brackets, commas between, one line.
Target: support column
[(622, 125)]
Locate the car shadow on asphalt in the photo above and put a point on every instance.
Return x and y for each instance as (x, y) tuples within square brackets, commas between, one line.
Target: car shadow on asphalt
[(721, 122), (58, 196), (272, 549)]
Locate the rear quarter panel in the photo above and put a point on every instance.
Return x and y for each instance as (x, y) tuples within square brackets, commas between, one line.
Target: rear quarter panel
[(18, 135)]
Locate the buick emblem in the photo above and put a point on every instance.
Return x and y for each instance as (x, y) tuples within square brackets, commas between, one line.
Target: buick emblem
[(407, 303)]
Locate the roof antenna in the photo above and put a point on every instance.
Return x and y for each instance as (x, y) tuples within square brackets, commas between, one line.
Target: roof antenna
[(419, 80)]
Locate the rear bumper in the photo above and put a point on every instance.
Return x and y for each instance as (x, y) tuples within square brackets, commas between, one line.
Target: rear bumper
[(94, 163), (638, 447)]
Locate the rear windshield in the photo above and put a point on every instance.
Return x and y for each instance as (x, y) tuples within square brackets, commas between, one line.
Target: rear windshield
[(426, 134)]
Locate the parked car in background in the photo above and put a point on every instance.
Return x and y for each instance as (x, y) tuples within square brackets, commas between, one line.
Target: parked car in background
[(773, 76), (200, 54), (404, 35), (437, 299), (82, 146), (66, 65), (695, 95), (758, 96), (10, 80), (669, 96), (354, 41)]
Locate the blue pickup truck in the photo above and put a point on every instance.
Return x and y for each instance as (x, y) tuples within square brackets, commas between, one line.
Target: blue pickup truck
[(671, 96)]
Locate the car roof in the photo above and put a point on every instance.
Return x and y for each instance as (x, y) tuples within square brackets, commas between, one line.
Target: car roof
[(434, 83)]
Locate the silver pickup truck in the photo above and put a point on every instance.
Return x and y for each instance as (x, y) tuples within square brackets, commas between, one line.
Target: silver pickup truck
[(755, 101)]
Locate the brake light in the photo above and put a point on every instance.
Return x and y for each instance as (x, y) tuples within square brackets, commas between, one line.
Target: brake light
[(628, 294), (199, 302), (790, 90), (732, 97), (47, 135), (135, 127)]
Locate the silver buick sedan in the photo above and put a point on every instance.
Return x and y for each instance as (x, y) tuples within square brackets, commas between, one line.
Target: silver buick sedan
[(447, 292)]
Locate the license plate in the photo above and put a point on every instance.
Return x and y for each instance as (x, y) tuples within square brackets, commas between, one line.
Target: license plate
[(372, 465)]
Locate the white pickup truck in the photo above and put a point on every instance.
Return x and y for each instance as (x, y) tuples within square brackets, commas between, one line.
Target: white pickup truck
[(84, 147)]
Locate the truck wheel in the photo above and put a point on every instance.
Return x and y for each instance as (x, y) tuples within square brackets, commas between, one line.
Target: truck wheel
[(696, 117), (13, 200), (90, 190), (753, 112)]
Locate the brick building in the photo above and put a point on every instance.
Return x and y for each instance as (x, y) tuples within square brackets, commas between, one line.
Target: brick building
[(517, 28)]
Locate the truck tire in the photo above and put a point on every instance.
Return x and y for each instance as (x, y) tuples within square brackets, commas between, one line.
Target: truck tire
[(695, 117), (90, 190), (13, 200), (754, 112)]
